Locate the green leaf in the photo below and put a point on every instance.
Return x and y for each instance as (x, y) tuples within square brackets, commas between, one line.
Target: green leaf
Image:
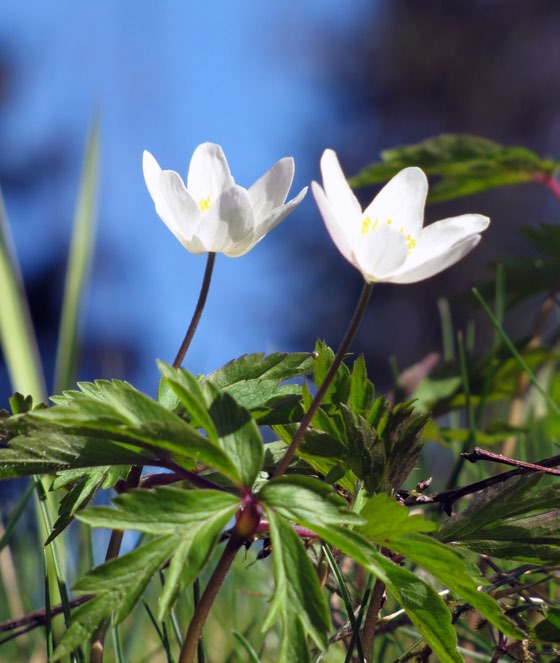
[(197, 518), (21, 404), (17, 338), (424, 606), (77, 498), (162, 510), (297, 599), (238, 437), (307, 501), (466, 165), (190, 394), (449, 567), (118, 584), (229, 426), (491, 505), (79, 261), (119, 413), (47, 450), (254, 381), (386, 520), (339, 388)]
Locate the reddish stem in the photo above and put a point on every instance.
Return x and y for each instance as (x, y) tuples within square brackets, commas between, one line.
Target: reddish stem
[(550, 182)]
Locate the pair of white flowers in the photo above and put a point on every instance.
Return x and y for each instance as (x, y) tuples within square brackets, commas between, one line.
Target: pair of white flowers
[(385, 242)]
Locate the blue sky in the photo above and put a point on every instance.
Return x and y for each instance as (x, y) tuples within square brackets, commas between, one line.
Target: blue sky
[(166, 76)]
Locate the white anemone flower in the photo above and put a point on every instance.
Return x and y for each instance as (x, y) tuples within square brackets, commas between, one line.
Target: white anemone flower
[(212, 214), (386, 242)]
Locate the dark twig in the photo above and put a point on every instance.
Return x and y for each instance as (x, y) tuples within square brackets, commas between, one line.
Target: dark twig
[(448, 497), (481, 454), (39, 617)]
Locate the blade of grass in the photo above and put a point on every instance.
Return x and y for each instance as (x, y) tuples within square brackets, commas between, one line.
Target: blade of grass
[(19, 346), (13, 520), (79, 261), (17, 337), (251, 653), (356, 639), (511, 347)]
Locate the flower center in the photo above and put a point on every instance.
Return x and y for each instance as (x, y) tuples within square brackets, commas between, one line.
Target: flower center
[(369, 227), (204, 204)]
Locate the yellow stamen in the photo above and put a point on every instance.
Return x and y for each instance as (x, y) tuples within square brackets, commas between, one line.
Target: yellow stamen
[(204, 204), (366, 225)]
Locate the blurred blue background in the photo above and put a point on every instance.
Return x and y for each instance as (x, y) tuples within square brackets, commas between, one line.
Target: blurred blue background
[(265, 80)]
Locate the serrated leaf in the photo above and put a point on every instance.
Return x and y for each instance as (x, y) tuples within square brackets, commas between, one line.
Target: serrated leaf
[(254, 381), (488, 506), (387, 520), (119, 413), (77, 498), (297, 598), (307, 501), (339, 388), (449, 568), (465, 165), (191, 396), (229, 426), (425, 608), (197, 518), (162, 510), (118, 584), (362, 391), (48, 450), (238, 437)]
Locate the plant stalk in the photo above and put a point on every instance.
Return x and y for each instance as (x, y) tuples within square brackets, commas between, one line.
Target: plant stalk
[(194, 633), (345, 344), (197, 312), (372, 617)]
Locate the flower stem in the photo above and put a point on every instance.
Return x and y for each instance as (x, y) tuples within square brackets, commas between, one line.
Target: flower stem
[(372, 617), (194, 633), (345, 344), (197, 312)]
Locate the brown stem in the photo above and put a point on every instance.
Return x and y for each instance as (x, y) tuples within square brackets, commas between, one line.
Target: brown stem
[(481, 454), (113, 550), (352, 328), (372, 617), (197, 312), (194, 633), (448, 497)]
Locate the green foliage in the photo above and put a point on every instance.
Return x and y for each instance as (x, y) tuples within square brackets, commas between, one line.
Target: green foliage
[(297, 599), (465, 165), (344, 493)]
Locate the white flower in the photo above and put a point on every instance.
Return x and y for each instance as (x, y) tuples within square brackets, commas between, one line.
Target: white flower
[(212, 213), (386, 241)]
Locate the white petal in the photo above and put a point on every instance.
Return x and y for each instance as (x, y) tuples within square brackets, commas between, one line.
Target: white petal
[(175, 206), (334, 224), (402, 201), (381, 252), (342, 201), (271, 190), (264, 226), (437, 239), (151, 170), (228, 223), (209, 173), (436, 264)]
